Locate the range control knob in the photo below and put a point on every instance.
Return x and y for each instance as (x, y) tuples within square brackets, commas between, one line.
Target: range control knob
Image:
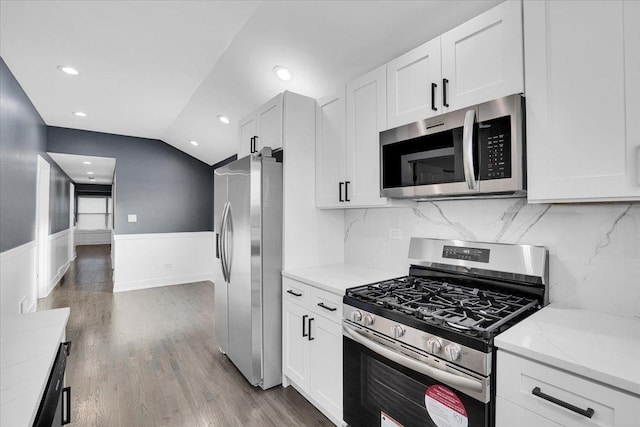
[(452, 351), (356, 316), (368, 320), (397, 331), (434, 345)]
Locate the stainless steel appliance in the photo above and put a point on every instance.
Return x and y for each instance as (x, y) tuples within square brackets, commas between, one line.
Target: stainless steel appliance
[(474, 151), (418, 350), (248, 303), (55, 406)]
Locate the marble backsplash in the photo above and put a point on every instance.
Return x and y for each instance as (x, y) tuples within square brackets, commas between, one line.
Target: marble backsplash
[(594, 249)]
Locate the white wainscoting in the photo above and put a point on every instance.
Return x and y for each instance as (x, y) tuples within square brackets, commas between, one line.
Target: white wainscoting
[(18, 279), (92, 237), (145, 261), (58, 258)]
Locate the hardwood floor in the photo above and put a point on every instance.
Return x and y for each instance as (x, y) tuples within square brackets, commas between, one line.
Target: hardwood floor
[(150, 357)]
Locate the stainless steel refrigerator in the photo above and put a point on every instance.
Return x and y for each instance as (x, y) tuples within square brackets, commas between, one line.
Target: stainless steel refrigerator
[(248, 302)]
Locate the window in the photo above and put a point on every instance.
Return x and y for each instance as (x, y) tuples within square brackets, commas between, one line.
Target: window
[(95, 213)]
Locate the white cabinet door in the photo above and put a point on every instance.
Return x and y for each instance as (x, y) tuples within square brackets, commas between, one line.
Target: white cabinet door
[(482, 59), (326, 360), (366, 116), (330, 151), (295, 345), (269, 124), (582, 63), (247, 130), (410, 80), (509, 414)]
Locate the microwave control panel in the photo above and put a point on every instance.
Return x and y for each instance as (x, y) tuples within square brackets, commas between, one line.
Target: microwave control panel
[(494, 137)]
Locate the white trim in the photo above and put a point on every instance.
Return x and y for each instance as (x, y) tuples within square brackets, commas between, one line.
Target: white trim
[(58, 234), (55, 279), (136, 285), (147, 236), (17, 251)]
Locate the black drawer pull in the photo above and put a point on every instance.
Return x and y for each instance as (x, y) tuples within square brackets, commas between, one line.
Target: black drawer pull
[(310, 338), (445, 83), (295, 294), (321, 304), (66, 406), (433, 96), (304, 324), (584, 412)]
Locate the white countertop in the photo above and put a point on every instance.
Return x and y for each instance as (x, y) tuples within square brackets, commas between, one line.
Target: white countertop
[(28, 347), (335, 278), (598, 346)]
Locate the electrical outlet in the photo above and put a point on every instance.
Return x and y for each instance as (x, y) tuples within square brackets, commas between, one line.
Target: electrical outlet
[(132, 218), (395, 234)]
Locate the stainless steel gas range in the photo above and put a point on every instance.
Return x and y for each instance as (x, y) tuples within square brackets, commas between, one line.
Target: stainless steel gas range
[(418, 350)]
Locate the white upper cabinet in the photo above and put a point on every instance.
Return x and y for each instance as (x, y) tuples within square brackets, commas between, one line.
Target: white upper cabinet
[(482, 59), (582, 62), (262, 128), (366, 117), (413, 83), (330, 150)]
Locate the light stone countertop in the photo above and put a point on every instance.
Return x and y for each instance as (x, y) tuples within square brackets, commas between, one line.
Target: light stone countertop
[(28, 347), (336, 278), (597, 346)]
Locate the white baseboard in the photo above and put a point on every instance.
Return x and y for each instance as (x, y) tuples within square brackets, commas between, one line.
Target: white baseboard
[(157, 283), (55, 279), (144, 261)]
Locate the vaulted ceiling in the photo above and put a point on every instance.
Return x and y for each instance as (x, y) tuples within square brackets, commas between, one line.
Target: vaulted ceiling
[(167, 69)]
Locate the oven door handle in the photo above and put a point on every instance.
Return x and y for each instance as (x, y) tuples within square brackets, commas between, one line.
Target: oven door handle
[(411, 363)]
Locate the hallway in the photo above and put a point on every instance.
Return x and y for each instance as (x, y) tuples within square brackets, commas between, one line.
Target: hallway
[(150, 357)]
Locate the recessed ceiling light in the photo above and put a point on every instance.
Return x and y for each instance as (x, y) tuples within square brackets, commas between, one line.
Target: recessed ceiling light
[(223, 119), (80, 114), (283, 73), (89, 173), (86, 162), (194, 143), (68, 70)]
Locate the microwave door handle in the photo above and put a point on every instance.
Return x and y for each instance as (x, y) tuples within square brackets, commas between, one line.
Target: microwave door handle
[(467, 150), (411, 363)]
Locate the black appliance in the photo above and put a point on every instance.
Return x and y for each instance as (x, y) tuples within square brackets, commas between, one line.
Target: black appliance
[(418, 350), (55, 406)]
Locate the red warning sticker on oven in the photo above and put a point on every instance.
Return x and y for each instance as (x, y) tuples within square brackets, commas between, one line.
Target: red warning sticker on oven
[(444, 407)]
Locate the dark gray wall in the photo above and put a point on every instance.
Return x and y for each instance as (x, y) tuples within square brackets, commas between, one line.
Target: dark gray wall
[(167, 189), (22, 137)]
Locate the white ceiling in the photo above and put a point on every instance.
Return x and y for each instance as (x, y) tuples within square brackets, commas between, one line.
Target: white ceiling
[(103, 168), (166, 69)]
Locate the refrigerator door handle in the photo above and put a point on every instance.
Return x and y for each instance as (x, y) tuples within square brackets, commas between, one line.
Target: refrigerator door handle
[(223, 239), (229, 242)]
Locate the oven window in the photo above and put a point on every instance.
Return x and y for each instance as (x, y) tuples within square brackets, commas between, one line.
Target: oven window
[(374, 385), (429, 159)]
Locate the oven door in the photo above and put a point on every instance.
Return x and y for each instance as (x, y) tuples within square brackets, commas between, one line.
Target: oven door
[(383, 388)]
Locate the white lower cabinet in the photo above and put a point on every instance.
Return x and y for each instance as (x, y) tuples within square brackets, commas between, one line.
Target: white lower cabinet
[(312, 345), (532, 394)]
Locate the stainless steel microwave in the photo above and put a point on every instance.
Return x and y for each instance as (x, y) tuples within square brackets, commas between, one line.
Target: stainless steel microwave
[(475, 151)]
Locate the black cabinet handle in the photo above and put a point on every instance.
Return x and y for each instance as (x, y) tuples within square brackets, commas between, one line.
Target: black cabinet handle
[(310, 338), (251, 145), (584, 412), (66, 405), (67, 347), (255, 142), (340, 191), (295, 294), (304, 321), (217, 246), (346, 191), (433, 96), (321, 304), (445, 82)]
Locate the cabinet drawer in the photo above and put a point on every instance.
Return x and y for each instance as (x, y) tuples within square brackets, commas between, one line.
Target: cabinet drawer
[(509, 414), (295, 291), (548, 391), (326, 304)]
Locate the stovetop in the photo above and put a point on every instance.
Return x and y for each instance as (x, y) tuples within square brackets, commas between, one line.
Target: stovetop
[(448, 304)]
